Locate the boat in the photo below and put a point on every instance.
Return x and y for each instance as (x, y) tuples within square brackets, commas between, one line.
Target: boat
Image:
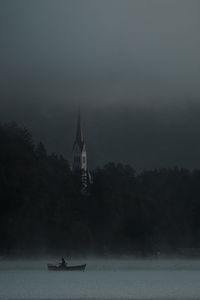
[(66, 268)]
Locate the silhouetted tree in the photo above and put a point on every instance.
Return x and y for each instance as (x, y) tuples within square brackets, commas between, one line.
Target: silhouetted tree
[(42, 205)]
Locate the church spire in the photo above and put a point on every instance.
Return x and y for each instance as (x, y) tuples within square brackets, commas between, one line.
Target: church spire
[(79, 150), (79, 132), (80, 156)]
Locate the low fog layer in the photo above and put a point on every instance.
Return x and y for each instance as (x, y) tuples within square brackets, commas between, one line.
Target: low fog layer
[(132, 66), (103, 279)]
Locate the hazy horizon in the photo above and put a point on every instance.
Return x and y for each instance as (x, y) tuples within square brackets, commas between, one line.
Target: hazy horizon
[(132, 66)]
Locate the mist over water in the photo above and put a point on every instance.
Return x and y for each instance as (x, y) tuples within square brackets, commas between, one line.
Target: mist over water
[(133, 69), (103, 279)]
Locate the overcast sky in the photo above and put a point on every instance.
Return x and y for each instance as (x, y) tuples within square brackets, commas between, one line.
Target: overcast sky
[(132, 66)]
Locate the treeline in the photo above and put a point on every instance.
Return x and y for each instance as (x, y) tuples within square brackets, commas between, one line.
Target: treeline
[(42, 208)]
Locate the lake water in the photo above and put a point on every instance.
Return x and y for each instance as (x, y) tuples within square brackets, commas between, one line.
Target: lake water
[(103, 279)]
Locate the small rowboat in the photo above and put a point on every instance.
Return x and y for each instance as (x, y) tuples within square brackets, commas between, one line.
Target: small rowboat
[(66, 268)]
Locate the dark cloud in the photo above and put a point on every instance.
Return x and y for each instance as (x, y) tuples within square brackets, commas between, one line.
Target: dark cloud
[(132, 66)]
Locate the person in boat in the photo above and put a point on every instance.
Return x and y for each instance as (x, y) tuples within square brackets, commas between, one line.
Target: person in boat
[(63, 262)]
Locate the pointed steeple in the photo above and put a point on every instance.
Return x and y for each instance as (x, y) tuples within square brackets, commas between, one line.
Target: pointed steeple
[(79, 132), (79, 154), (79, 151)]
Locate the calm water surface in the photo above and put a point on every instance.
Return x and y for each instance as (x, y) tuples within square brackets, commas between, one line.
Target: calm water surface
[(103, 279)]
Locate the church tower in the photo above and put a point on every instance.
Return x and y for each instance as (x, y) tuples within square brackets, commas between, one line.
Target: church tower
[(79, 154)]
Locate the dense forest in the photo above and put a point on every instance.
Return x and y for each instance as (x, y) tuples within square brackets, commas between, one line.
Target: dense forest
[(44, 211)]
